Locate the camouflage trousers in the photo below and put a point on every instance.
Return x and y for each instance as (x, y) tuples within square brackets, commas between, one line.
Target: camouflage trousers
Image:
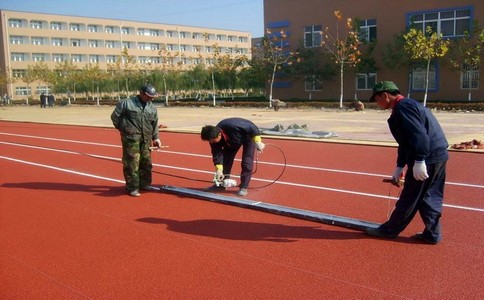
[(137, 164)]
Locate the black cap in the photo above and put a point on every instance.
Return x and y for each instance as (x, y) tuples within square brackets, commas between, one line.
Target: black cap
[(149, 90)]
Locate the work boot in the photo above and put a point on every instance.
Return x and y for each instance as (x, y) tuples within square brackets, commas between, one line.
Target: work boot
[(242, 192), (134, 193), (421, 237), (377, 232)]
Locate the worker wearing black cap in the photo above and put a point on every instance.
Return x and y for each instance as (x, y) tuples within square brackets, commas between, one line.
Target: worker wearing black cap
[(136, 118)]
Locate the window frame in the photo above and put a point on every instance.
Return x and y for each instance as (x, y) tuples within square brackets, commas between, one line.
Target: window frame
[(368, 83), (426, 19), (465, 76), (312, 84), (311, 31)]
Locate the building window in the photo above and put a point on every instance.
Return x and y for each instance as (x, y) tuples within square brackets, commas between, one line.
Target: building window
[(38, 57), (109, 29), (37, 41), (16, 40), (155, 46), (75, 27), (55, 26), (143, 60), (183, 34), (154, 32), (18, 56), (109, 44), (311, 83), (92, 28), (22, 91), (93, 43), (169, 33), (42, 89), (111, 59), (56, 42), (367, 30), (125, 30), (58, 57), (183, 48), (469, 77), (15, 23), (312, 36), (75, 43), (448, 22), (418, 78), (19, 73), (127, 45), (76, 58), (93, 58), (36, 24), (365, 81)]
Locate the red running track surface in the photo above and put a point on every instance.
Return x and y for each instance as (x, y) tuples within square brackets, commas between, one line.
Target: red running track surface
[(69, 231)]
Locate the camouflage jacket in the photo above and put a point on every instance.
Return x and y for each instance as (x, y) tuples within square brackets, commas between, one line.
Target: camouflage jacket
[(134, 121)]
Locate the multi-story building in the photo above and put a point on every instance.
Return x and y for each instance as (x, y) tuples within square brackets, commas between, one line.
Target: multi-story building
[(28, 38), (379, 20)]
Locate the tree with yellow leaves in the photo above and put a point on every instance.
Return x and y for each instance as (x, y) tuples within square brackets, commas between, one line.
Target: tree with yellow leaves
[(344, 47), (427, 46)]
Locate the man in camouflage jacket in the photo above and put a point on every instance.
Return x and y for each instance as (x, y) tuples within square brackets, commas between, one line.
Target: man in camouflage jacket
[(136, 118)]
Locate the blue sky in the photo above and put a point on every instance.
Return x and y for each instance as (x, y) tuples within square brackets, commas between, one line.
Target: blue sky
[(244, 15)]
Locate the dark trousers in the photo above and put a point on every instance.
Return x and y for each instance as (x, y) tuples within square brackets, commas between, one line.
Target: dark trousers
[(247, 164), (425, 197)]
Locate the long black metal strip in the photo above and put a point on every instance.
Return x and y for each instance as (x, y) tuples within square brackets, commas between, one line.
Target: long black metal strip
[(273, 208)]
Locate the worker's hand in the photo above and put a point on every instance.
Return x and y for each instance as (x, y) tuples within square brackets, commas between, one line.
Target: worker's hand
[(260, 146), (420, 171), (219, 175), (157, 143), (397, 176)]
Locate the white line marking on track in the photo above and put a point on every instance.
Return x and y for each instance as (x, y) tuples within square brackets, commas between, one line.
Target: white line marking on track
[(279, 182), (208, 156)]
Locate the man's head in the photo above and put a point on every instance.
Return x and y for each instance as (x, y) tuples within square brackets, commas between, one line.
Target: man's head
[(147, 92), (384, 86), (211, 134), (385, 93)]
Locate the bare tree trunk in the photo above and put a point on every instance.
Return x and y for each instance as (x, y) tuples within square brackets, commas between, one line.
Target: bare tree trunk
[(426, 82), (341, 86)]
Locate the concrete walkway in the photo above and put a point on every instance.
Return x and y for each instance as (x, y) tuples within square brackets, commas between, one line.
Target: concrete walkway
[(367, 126)]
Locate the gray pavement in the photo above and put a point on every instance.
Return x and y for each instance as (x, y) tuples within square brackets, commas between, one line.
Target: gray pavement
[(350, 126)]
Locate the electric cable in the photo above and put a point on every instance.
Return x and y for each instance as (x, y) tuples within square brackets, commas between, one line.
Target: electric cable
[(278, 177)]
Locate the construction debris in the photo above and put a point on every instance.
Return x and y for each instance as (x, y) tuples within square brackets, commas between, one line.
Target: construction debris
[(474, 144), (295, 130)]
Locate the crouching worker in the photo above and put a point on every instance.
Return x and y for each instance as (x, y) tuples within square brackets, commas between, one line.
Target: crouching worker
[(136, 118), (225, 141)]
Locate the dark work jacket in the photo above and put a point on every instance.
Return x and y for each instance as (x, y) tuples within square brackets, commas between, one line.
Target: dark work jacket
[(235, 133), (134, 121), (418, 134)]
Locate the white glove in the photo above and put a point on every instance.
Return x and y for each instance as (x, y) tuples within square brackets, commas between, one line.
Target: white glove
[(157, 143), (260, 146), (219, 175), (420, 171)]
